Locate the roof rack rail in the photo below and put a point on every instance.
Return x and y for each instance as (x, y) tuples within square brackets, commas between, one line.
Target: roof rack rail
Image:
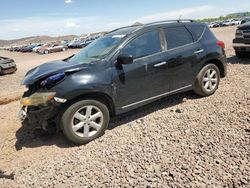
[(123, 28), (157, 22), (170, 21)]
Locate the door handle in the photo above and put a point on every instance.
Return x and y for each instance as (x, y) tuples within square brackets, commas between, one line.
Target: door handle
[(199, 51), (160, 64)]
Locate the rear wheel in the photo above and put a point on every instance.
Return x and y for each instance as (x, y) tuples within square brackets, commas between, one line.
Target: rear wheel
[(63, 49), (46, 52), (207, 81), (1, 71), (240, 54), (85, 121)]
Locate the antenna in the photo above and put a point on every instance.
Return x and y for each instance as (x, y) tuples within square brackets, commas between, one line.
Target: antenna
[(180, 18)]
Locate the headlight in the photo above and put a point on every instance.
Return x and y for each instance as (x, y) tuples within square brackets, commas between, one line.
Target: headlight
[(37, 99), (53, 79)]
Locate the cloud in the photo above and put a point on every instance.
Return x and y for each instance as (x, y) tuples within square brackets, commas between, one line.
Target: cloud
[(186, 13), (68, 1), (33, 26), (70, 24), (77, 25), (194, 12)]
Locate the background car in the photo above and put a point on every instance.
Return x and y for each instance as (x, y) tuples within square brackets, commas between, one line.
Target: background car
[(213, 25), (50, 48), (7, 66)]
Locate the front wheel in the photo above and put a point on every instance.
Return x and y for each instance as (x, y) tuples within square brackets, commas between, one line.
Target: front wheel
[(207, 81), (85, 121)]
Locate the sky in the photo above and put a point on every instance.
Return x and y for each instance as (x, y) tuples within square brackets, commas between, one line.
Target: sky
[(23, 18)]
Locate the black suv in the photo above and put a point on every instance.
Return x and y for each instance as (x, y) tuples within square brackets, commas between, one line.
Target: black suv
[(127, 68), (241, 43)]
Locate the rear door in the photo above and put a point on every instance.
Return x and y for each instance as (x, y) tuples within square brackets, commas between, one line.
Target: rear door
[(182, 55)]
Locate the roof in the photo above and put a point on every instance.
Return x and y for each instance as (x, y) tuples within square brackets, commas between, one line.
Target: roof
[(130, 29)]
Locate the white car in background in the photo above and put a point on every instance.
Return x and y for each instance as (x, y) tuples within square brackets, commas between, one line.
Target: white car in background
[(213, 25), (235, 21)]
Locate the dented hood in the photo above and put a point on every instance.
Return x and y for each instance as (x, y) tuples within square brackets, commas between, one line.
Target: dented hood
[(49, 69)]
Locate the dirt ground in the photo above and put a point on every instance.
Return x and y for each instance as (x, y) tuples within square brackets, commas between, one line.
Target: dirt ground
[(229, 117)]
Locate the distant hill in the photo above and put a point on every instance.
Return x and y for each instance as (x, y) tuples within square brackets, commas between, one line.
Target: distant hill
[(35, 39), (239, 14), (229, 16)]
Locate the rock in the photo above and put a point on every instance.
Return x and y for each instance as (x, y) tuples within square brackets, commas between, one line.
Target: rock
[(179, 110)]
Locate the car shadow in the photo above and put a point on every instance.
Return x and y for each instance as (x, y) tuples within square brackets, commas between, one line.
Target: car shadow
[(29, 138), (32, 138), (167, 102), (236, 60)]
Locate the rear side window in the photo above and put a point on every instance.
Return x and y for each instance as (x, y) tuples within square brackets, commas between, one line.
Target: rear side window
[(177, 36), (197, 30), (144, 45)]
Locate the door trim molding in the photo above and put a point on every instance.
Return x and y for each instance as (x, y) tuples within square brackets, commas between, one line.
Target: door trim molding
[(155, 97)]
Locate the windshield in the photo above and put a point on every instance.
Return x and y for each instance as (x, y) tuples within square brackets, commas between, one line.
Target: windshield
[(97, 49)]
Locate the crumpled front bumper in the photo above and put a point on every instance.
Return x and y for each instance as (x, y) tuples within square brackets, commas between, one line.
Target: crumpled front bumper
[(39, 117)]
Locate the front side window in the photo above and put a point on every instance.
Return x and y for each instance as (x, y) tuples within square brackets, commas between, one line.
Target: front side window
[(177, 36), (144, 45)]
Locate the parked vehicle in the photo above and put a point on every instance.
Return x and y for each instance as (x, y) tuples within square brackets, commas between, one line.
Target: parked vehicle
[(7, 66), (227, 23), (245, 20), (127, 68), (50, 48), (235, 21), (241, 43), (213, 25), (77, 44), (28, 48), (37, 47)]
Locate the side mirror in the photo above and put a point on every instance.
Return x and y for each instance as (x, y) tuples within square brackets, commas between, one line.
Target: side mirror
[(124, 59)]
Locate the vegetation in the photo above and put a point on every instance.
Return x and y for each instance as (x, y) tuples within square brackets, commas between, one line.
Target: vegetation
[(229, 16)]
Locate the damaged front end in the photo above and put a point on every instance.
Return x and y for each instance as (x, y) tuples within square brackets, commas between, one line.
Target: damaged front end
[(40, 108)]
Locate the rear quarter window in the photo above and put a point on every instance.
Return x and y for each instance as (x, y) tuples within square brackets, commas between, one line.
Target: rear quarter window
[(197, 30), (177, 37)]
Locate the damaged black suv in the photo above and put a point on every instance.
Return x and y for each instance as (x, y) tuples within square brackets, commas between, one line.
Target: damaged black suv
[(125, 69)]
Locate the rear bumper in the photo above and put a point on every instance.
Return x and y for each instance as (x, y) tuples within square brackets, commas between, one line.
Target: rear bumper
[(9, 70)]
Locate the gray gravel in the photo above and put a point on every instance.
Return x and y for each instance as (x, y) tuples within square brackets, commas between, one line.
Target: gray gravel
[(180, 141)]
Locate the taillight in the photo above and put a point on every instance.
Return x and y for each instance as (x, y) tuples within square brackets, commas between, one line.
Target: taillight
[(221, 44)]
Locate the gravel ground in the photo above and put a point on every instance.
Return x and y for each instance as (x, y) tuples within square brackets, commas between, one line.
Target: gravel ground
[(179, 141)]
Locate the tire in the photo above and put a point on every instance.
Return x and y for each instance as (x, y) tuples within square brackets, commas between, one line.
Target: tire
[(63, 49), (240, 54), (207, 81), (78, 114), (46, 52)]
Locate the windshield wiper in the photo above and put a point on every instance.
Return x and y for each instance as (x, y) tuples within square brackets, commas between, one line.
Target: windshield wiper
[(66, 60)]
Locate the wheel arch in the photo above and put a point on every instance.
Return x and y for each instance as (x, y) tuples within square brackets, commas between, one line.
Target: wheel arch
[(99, 96), (219, 64)]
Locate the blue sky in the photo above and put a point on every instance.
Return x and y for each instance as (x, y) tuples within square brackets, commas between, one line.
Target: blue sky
[(21, 18)]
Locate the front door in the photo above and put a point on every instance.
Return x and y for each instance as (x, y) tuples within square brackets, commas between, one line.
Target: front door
[(137, 82)]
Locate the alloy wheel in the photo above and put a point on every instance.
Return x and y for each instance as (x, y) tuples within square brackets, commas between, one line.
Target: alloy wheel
[(87, 121), (210, 80)]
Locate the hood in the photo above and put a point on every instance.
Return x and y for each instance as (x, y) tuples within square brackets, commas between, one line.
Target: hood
[(49, 69), (4, 60), (245, 26)]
